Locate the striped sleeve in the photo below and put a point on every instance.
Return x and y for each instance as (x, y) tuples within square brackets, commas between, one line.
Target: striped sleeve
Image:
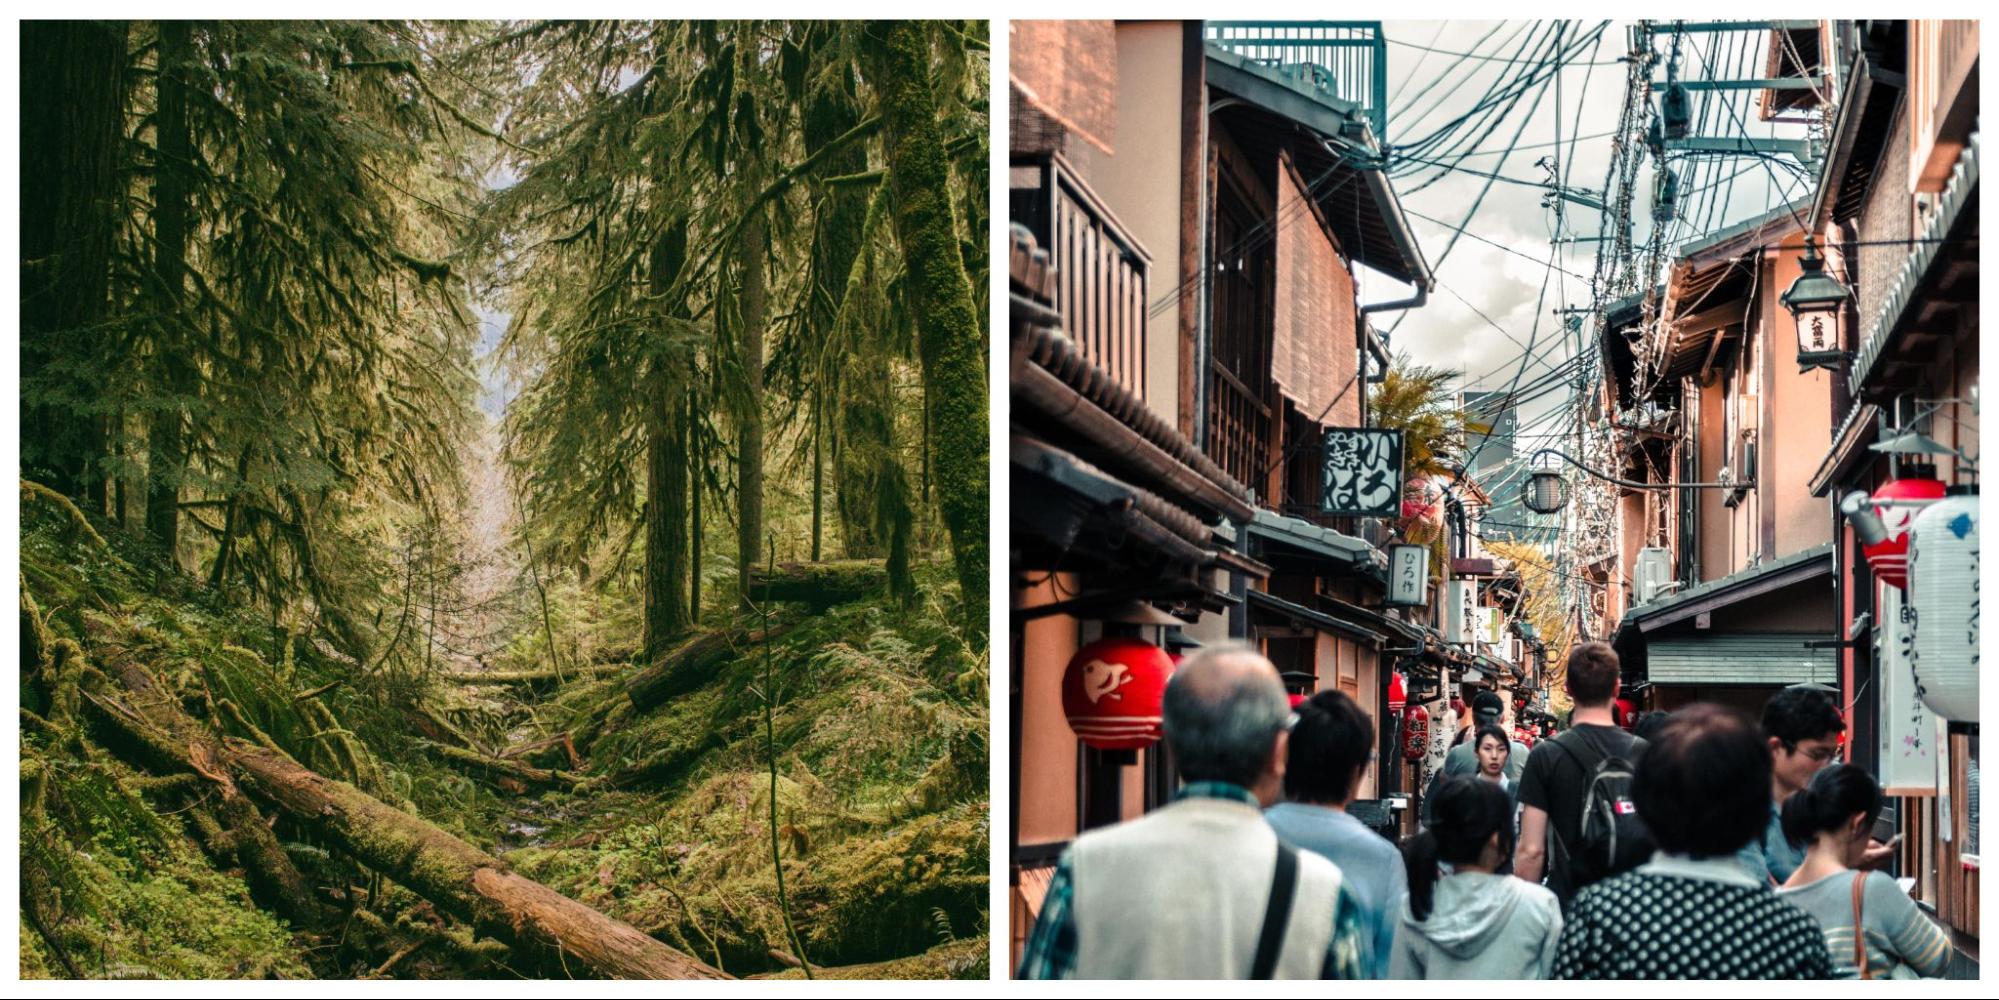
[(1912, 937)]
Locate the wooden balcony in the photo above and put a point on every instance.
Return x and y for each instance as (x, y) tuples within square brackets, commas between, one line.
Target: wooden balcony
[(1239, 437), (1100, 269), (1943, 97)]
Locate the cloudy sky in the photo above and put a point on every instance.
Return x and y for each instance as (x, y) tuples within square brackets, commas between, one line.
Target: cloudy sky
[(1431, 82)]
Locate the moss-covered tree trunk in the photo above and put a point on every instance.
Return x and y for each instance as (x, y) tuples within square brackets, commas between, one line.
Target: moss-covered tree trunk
[(948, 332), (166, 440), (858, 366), (73, 84), (461, 879), (695, 447), (666, 469), (753, 252)]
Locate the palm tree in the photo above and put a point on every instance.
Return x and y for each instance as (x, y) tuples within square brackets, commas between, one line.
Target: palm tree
[(1419, 401)]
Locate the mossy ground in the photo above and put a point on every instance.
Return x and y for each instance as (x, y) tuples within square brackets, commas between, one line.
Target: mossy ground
[(880, 730), (883, 823)]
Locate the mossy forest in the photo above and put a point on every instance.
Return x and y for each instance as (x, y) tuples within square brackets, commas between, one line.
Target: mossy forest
[(503, 499)]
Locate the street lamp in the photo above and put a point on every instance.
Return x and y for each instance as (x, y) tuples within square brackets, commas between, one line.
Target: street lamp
[(1546, 492), (1815, 300)]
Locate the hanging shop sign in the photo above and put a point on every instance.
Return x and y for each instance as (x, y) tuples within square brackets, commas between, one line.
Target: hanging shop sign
[(1362, 474), (1443, 729), (1488, 625), (1113, 690), (1890, 559), (1908, 727), (1943, 590), (1408, 575), (1461, 611)]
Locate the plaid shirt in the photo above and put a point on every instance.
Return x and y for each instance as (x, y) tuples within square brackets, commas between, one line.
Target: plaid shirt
[(1051, 947)]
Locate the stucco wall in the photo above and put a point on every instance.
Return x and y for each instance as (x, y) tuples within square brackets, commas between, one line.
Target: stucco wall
[(1141, 185), (1799, 431), (1047, 745)]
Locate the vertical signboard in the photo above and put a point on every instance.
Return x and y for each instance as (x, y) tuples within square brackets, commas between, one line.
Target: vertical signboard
[(1488, 626), (1408, 575), (1461, 611), (1909, 749), (1362, 473)]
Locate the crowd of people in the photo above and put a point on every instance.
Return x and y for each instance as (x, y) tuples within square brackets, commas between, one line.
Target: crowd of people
[(1713, 846)]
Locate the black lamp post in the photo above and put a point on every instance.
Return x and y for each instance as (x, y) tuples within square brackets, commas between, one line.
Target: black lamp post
[(1815, 301)]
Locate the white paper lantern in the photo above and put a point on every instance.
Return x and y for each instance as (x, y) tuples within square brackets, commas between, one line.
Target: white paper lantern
[(1943, 591)]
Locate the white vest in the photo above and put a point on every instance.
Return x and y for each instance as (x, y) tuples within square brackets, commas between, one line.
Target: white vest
[(1180, 894)]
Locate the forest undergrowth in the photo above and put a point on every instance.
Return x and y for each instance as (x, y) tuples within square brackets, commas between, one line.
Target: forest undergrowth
[(661, 818)]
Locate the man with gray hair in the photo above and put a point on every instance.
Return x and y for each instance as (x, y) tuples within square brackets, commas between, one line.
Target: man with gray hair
[(1203, 888)]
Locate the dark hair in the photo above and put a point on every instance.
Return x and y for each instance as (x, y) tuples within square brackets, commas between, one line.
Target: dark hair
[(1834, 795), (1331, 741), (1703, 785), (1796, 714), (1487, 703), (1493, 730), (1465, 812), (1647, 727), (1592, 673)]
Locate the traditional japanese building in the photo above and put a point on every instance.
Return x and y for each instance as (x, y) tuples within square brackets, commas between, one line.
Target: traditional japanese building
[(1727, 593), (1896, 211), (1194, 206)]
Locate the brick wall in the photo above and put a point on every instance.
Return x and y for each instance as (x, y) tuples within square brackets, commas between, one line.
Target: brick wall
[(1887, 214)]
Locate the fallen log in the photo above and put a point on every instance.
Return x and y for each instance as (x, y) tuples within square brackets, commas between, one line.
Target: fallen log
[(688, 665), (666, 767), (820, 585), (461, 879), (532, 677), (559, 748), (503, 768), (149, 728)]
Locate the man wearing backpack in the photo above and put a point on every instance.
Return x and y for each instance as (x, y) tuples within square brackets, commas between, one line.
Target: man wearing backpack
[(1577, 822)]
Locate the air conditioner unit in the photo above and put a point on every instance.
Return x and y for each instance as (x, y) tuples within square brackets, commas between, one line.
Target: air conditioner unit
[(1654, 574)]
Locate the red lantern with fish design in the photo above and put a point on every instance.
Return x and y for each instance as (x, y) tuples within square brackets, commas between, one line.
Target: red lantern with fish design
[(1113, 690), (1889, 559)]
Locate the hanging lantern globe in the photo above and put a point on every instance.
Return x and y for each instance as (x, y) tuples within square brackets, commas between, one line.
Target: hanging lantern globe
[(1545, 491), (1113, 690), (1624, 712), (1398, 694), (1943, 599), (1415, 733), (1815, 301), (1889, 559)]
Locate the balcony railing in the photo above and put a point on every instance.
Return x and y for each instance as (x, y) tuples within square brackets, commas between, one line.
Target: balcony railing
[(1100, 270), (1239, 436), (1346, 59)]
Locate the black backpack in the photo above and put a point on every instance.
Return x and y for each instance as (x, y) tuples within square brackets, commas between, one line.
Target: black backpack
[(1610, 838)]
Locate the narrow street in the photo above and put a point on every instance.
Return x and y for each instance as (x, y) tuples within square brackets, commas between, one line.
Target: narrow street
[(1523, 397)]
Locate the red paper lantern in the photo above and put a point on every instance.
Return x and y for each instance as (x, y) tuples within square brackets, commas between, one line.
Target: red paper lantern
[(1625, 712), (1398, 693), (1112, 692), (1415, 732), (1890, 559)]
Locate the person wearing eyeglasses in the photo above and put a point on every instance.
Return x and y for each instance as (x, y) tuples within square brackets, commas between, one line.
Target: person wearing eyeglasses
[(1802, 726)]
